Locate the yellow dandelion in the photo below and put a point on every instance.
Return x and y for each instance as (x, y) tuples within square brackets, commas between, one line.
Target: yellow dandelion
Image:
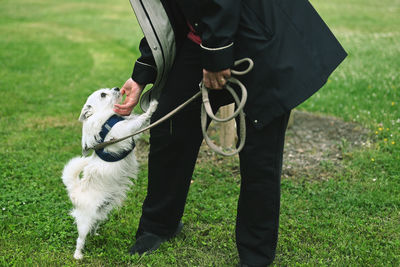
[(387, 129), (393, 103), (376, 132), (372, 159), (380, 129), (385, 139), (393, 142)]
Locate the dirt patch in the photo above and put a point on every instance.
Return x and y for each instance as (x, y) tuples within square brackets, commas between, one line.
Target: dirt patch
[(314, 147)]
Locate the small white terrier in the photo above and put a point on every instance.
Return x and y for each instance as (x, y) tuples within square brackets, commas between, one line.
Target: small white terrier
[(98, 183)]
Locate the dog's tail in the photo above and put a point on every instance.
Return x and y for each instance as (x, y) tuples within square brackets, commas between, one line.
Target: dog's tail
[(72, 171)]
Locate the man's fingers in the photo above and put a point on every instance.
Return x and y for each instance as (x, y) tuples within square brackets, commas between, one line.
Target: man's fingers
[(122, 110), (215, 84), (216, 80), (132, 90), (226, 73), (223, 76), (210, 80), (125, 108), (121, 106), (221, 80), (207, 82)]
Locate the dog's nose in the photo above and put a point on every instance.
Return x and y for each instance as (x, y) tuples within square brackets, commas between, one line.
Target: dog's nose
[(116, 89)]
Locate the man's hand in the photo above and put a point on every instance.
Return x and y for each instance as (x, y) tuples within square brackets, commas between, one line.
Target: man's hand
[(215, 80), (133, 91)]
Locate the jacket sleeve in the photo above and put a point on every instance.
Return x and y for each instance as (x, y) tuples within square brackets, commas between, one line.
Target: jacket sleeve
[(145, 70), (217, 21)]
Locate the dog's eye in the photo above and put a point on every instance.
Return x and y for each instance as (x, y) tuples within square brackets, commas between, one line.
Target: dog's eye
[(103, 95)]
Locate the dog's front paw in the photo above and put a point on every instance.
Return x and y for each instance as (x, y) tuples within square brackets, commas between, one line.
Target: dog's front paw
[(153, 106), (78, 255)]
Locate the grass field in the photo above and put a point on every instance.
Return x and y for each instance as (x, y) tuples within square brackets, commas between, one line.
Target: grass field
[(54, 53)]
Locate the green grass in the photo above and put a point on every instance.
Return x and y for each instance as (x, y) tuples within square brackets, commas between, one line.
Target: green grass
[(53, 54)]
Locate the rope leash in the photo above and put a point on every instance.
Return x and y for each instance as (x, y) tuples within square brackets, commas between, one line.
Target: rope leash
[(206, 110)]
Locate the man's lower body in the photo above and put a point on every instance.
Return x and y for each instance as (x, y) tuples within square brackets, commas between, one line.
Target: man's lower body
[(174, 147)]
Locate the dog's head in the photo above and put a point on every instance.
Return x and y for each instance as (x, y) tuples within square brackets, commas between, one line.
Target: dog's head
[(96, 111), (101, 101)]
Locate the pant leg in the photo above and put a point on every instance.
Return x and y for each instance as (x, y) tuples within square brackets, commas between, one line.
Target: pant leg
[(174, 145), (259, 201)]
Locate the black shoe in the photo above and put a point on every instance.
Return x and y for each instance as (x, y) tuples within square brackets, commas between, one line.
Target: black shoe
[(148, 242), (246, 265)]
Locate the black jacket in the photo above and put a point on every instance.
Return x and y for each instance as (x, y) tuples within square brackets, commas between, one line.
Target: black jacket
[(293, 49)]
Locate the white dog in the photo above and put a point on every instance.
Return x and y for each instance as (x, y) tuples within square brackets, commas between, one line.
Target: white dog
[(98, 183)]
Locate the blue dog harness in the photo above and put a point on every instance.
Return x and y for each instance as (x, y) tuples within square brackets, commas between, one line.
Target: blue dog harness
[(105, 129)]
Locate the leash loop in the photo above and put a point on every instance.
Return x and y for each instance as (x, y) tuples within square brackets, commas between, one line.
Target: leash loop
[(207, 110)]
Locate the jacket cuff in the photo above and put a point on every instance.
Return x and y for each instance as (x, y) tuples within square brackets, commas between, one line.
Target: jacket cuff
[(217, 59), (144, 73)]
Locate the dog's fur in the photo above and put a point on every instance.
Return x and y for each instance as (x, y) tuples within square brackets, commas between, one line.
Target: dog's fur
[(103, 185)]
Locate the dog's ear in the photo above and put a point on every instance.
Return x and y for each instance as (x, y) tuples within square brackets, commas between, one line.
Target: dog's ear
[(86, 112)]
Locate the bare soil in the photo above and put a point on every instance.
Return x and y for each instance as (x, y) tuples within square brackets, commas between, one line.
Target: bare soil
[(314, 146)]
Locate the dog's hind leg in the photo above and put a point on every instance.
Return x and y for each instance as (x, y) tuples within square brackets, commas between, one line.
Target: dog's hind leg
[(101, 215), (96, 227), (84, 224)]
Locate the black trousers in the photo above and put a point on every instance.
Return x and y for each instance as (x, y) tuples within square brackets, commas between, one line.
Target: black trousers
[(174, 146)]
